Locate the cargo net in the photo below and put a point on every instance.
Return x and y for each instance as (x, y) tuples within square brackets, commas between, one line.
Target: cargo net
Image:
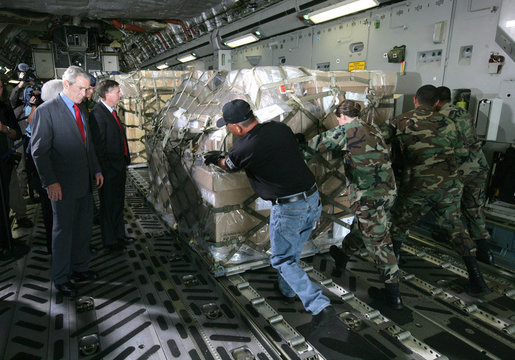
[(144, 93), (219, 211)]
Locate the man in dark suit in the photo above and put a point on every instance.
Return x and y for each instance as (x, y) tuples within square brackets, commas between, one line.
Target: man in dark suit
[(64, 155), (110, 140)]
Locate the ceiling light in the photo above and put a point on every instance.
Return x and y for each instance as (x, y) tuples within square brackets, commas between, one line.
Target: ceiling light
[(242, 40), (14, 81), (162, 66), (341, 9), (187, 57)]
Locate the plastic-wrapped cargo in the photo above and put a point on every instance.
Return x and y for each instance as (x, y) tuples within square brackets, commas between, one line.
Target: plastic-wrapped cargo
[(217, 210), (144, 93)]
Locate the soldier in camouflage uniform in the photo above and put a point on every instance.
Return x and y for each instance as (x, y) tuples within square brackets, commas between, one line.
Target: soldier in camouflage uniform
[(426, 141), (473, 171), (372, 192)]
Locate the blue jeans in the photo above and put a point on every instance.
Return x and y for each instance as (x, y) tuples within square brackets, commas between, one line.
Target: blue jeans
[(290, 227)]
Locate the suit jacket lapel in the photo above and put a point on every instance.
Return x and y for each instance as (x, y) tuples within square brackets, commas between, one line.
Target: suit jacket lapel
[(71, 122), (111, 118)]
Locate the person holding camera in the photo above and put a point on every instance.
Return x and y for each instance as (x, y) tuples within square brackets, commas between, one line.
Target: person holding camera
[(9, 131), (19, 176), (34, 100)]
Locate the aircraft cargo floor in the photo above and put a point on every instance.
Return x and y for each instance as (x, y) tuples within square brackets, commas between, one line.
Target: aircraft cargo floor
[(159, 300)]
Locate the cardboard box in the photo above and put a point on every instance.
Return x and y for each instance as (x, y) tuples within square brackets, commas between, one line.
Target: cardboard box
[(226, 226), (332, 209), (305, 97), (215, 180)]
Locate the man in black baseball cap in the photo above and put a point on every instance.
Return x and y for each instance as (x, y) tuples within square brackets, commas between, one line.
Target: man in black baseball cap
[(269, 154), (234, 112)]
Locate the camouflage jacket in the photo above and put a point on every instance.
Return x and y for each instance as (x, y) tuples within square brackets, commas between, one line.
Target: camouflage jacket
[(471, 158), (368, 169), (424, 143)]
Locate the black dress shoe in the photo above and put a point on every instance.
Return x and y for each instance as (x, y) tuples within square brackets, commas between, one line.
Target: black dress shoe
[(85, 276), (67, 289)]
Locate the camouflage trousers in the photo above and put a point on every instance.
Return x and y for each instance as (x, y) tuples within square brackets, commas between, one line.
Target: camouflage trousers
[(370, 229), (472, 203), (444, 204)]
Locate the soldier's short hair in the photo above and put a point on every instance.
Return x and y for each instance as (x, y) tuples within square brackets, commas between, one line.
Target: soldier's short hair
[(443, 93), (426, 95), (349, 108), (105, 86)]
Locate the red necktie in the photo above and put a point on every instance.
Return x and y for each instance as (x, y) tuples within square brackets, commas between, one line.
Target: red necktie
[(125, 148), (78, 118)]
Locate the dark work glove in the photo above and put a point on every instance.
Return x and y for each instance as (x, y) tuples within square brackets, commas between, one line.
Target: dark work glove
[(301, 139), (212, 157)]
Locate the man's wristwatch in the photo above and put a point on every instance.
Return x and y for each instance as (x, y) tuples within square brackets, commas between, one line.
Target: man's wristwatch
[(8, 129)]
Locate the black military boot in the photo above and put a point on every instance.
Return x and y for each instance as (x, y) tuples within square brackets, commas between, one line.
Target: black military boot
[(477, 285), (396, 245), (389, 295), (483, 252), (339, 256)]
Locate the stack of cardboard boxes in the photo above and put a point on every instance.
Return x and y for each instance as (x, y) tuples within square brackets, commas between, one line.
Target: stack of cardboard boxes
[(144, 93), (219, 210)]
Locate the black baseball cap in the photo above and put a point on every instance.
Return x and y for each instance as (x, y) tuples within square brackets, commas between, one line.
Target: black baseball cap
[(233, 112)]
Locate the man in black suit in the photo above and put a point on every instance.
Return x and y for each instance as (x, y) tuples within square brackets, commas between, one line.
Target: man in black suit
[(110, 140), (64, 155)]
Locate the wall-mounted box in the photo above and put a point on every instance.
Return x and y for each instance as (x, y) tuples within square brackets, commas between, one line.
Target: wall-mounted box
[(488, 118), (439, 32), (110, 62), (44, 64)]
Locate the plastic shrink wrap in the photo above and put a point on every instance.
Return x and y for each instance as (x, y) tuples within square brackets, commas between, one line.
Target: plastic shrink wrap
[(144, 93), (218, 211)]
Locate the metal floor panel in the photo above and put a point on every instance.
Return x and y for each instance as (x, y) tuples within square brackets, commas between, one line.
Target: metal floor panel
[(159, 300), (156, 301), (429, 314)]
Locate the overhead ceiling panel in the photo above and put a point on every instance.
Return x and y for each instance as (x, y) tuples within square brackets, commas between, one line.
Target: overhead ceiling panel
[(126, 9)]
